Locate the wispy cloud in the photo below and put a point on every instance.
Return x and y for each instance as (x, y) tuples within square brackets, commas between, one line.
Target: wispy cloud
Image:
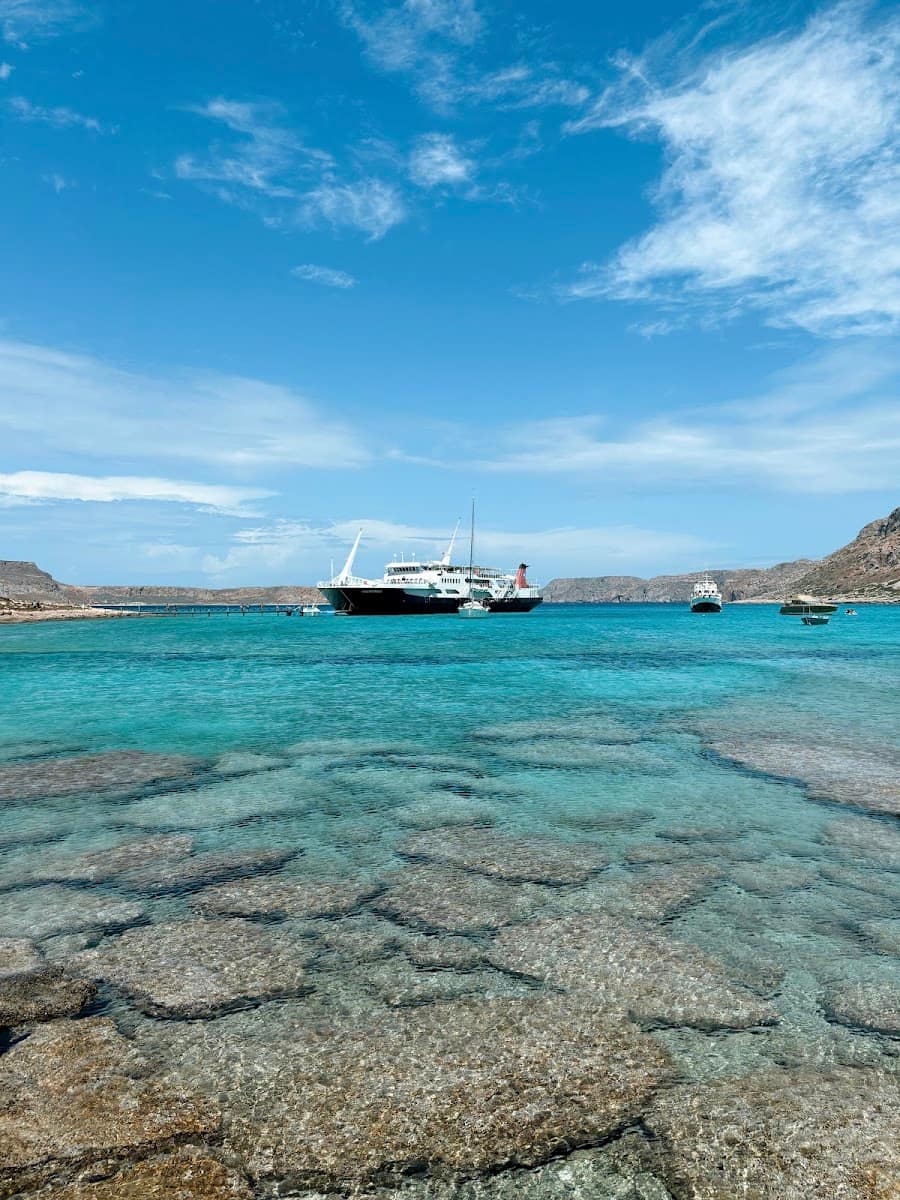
[(434, 42), (303, 546), (782, 189), (327, 276), (436, 160), (270, 169), (29, 487), (60, 118), (6, 69), (831, 425), (21, 20), (78, 404), (58, 182), (371, 206)]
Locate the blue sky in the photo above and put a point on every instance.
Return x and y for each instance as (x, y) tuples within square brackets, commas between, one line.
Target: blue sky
[(630, 275)]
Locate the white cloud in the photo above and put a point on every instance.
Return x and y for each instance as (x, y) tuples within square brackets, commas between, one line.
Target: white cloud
[(22, 19), (269, 169), (782, 185), (37, 486), (524, 86), (437, 160), (831, 425), (59, 118), (6, 69), (368, 205), (303, 547), (327, 276), (59, 183), (52, 398), (260, 161)]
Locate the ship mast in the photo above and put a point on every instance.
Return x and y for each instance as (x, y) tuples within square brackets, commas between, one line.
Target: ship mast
[(471, 545), (448, 553)]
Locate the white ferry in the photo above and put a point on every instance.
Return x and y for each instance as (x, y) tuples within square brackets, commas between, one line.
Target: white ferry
[(706, 596), (428, 586)]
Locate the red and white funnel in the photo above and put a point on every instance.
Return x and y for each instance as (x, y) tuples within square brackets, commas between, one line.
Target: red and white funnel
[(521, 581)]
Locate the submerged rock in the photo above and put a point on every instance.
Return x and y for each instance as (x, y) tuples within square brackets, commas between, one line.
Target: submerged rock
[(437, 898), (71, 1098), (199, 968), (884, 934), (101, 866), (187, 874), (874, 1006), (32, 990), (280, 897), (114, 771), (41, 912), (768, 878), (538, 860), (652, 894), (864, 838), (188, 1175), (781, 1136), (846, 774), (619, 967), (599, 728), (439, 950), (466, 1085)]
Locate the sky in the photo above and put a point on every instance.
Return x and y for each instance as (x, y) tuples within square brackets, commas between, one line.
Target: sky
[(628, 275)]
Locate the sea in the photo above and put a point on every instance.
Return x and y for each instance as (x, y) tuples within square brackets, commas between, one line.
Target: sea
[(598, 901)]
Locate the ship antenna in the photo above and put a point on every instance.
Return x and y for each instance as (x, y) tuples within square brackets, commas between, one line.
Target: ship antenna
[(448, 554), (471, 545)]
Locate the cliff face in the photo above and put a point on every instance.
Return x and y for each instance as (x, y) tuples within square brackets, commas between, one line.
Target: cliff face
[(868, 567), (24, 581), (664, 589)]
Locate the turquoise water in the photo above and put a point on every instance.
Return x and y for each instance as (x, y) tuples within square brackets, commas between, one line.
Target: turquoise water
[(730, 782)]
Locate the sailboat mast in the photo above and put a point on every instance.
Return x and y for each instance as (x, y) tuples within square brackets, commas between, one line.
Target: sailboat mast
[(471, 546)]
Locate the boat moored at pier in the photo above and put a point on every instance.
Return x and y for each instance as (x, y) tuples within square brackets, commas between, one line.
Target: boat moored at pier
[(424, 586)]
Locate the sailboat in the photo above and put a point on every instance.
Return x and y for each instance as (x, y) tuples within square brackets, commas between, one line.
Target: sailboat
[(472, 607)]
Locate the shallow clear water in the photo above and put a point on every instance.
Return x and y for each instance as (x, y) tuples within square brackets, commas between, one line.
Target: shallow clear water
[(400, 756)]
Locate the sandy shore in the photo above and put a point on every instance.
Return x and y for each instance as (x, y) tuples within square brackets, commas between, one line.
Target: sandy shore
[(22, 616)]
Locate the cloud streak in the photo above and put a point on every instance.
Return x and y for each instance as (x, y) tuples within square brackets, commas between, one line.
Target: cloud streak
[(781, 191), (327, 276), (59, 118), (31, 487), (79, 404)]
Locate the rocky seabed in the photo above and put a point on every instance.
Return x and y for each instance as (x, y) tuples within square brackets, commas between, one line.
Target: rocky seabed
[(357, 969)]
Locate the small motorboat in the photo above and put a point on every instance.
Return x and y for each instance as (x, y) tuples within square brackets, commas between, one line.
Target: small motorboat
[(473, 608), (850, 612), (817, 619), (311, 610)]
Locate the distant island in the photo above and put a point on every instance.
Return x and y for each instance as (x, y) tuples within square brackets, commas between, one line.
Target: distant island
[(867, 569)]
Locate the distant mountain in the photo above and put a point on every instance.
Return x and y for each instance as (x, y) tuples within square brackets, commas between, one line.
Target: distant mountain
[(663, 589), (24, 581), (868, 568)]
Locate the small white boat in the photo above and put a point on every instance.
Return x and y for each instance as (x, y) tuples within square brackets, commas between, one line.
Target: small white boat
[(472, 608), (850, 612), (706, 597), (817, 619), (310, 610)]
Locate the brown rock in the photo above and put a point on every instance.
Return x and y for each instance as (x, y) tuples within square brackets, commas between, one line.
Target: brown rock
[(70, 1099), (188, 1175), (199, 968), (156, 877), (42, 912), (465, 1085), (456, 901), (862, 837), (539, 860), (115, 771), (781, 1136), (280, 896), (623, 968), (874, 1006)]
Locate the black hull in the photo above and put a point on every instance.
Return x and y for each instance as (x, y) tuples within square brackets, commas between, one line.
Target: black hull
[(706, 606), (392, 602)]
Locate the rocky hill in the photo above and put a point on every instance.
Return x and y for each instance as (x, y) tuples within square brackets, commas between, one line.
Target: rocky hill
[(666, 589), (25, 582), (868, 568)]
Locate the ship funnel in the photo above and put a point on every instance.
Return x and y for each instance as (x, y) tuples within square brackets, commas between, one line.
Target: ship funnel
[(521, 581), (347, 568)]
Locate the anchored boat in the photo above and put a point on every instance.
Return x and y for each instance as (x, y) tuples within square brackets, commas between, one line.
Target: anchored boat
[(806, 606), (472, 608), (706, 596), (428, 586)]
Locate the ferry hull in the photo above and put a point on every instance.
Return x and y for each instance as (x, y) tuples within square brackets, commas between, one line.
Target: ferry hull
[(705, 606), (394, 602)]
